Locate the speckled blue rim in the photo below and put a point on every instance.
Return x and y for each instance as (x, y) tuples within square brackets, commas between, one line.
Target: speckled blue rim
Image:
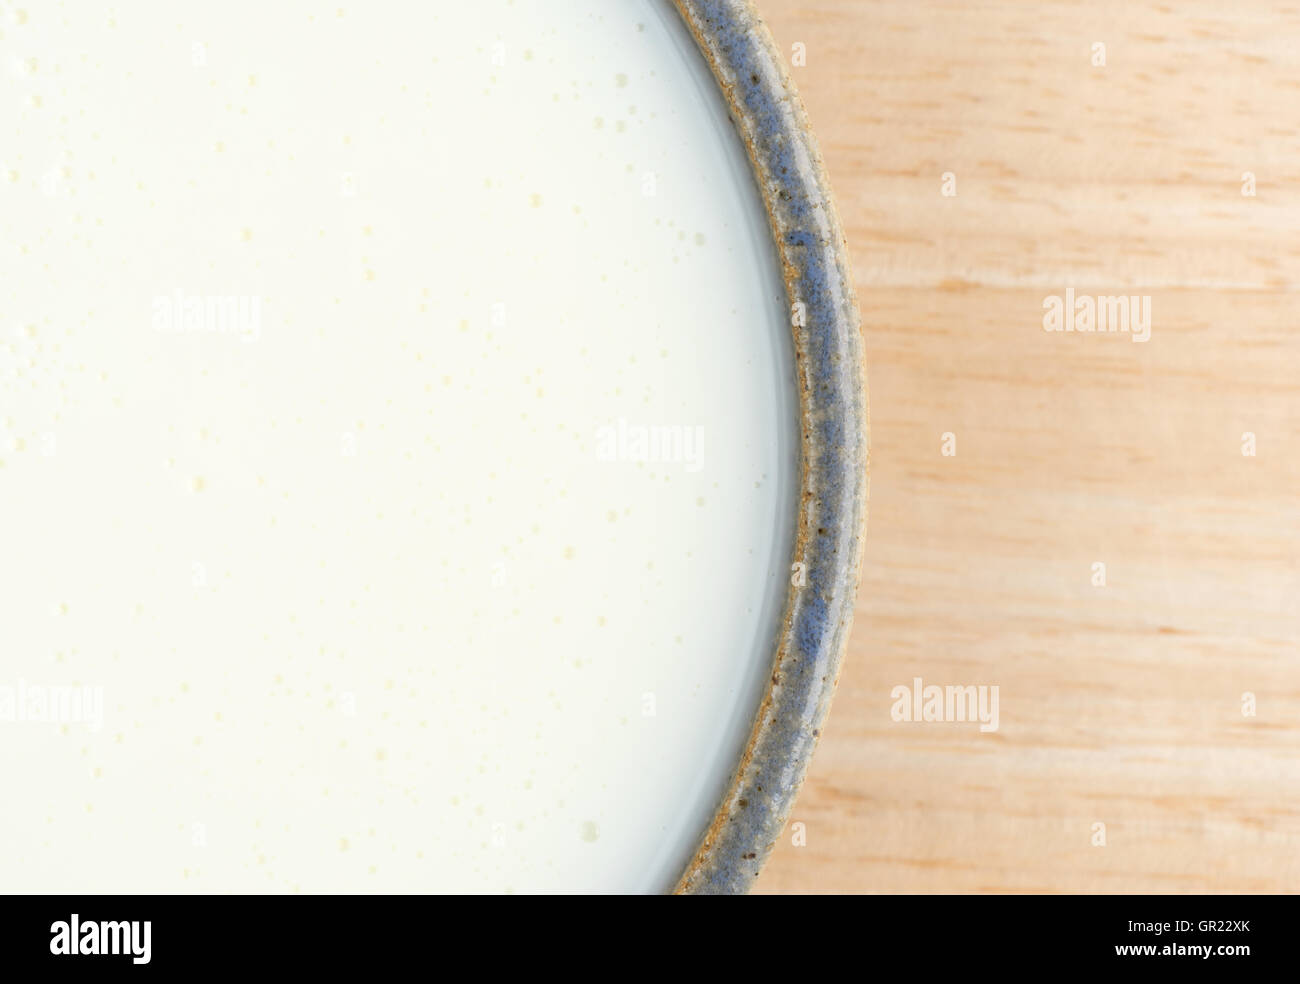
[(831, 524)]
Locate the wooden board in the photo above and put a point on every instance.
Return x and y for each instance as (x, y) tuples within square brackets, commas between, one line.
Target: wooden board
[(1119, 704)]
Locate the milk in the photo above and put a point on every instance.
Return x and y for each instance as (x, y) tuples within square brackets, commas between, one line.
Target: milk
[(396, 416)]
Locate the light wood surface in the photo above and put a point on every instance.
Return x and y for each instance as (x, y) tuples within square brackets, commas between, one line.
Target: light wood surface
[(1120, 705)]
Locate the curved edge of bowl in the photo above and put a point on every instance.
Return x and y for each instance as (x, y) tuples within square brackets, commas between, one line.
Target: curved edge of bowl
[(831, 378)]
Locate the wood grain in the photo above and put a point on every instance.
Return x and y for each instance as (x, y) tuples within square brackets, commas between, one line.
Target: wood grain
[(1120, 705)]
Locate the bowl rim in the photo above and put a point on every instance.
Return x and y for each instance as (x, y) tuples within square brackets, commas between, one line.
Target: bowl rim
[(830, 373)]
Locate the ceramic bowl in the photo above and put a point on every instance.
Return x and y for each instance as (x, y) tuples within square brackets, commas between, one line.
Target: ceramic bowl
[(432, 441), (831, 519)]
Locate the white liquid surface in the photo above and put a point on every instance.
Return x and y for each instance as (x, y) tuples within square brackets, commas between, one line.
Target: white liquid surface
[(368, 607)]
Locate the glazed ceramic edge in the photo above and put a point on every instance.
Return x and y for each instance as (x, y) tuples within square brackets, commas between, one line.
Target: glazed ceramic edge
[(831, 523)]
